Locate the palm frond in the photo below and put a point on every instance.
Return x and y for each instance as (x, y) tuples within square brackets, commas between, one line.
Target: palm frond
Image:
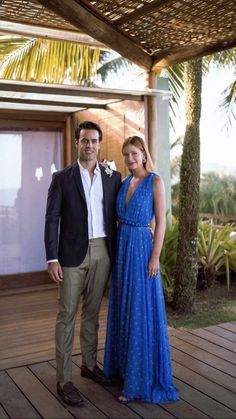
[(47, 61)]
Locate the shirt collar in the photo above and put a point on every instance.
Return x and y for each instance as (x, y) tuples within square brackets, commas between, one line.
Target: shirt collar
[(82, 168)]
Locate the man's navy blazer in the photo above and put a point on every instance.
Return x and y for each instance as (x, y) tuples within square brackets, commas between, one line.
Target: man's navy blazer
[(66, 226)]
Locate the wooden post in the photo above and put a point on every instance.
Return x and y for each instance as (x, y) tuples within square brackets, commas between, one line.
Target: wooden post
[(158, 133), (152, 119), (67, 143)]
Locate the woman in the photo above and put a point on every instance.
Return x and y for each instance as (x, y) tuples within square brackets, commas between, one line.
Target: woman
[(137, 346)]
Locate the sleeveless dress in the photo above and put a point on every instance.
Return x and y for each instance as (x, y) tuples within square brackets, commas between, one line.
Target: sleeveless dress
[(137, 344)]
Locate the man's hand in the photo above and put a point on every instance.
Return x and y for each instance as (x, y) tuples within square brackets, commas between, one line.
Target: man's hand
[(55, 271)]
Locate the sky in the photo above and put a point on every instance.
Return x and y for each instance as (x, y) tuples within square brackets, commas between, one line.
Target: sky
[(218, 144)]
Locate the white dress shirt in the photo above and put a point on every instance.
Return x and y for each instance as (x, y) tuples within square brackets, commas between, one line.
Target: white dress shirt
[(94, 198)]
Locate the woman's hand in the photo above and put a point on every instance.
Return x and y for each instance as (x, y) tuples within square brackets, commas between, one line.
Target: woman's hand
[(153, 265)]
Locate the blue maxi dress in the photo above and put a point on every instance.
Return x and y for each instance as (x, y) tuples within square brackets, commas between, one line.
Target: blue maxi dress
[(137, 345)]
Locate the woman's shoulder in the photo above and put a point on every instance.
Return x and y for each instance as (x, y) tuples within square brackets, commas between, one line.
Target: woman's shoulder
[(157, 179), (155, 176), (126, 178)]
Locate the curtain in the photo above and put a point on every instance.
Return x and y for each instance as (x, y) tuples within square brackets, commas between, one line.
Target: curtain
[(27, 161)]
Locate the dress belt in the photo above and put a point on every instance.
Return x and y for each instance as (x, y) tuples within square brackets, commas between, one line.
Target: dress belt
[(132, 223)]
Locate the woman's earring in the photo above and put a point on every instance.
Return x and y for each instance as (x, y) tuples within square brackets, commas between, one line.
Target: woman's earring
[(144, 160)]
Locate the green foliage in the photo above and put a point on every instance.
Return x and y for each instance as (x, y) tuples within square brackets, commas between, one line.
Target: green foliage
[(168, 256), (217, 194), (216, 253), (47, 61)]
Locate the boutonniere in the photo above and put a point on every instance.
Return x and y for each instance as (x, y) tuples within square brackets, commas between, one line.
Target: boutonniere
[(108, 171)]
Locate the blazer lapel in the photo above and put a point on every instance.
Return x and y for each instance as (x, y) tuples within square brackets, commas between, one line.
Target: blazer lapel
[(105, 188), (78, 180)]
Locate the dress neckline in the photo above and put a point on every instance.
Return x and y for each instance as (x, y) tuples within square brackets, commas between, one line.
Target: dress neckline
[(128, 183)]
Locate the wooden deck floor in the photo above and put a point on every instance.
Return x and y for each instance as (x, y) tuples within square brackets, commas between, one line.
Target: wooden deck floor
[(204, 364)]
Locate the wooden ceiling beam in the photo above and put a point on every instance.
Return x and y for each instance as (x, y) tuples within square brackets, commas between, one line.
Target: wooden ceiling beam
[(68, 90), (99, 29), (178, 55), (46, 102), (154, 6), (34, 31)]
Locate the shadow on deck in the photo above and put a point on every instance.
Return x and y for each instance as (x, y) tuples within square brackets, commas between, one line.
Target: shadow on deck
[(204, 365)]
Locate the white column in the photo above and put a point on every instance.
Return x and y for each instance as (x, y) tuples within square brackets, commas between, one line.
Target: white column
[(158, 132)]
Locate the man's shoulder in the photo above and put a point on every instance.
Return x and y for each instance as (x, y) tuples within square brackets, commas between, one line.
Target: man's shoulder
[(66, 171)]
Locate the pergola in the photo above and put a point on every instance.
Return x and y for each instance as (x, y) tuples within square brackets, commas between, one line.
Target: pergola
[(151, 33)]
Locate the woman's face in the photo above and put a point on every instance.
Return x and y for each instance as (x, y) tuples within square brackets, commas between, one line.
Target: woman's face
[(133, 157)]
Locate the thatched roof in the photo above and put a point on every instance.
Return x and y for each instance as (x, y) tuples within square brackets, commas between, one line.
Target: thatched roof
[(151, 33)]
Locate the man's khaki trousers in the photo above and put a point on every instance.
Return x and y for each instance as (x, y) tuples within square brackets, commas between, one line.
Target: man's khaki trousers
[(88, 281)]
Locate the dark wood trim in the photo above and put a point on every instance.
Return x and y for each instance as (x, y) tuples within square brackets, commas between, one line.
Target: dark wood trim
[(28, 119), (28, 279), (68, 90), (67, 141), (45, 102), (100, 29)]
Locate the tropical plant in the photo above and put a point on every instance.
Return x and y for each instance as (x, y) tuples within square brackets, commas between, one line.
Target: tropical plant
[(47, 61), (168, 256), (216, 253), (217, 194)]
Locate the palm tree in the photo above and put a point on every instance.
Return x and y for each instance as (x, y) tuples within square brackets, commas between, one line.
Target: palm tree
[(186, 263)]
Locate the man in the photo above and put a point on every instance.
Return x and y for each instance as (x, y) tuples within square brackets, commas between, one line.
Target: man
[(80, 235)]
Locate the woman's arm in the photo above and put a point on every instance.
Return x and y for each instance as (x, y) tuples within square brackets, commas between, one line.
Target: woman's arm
[(159, 230)]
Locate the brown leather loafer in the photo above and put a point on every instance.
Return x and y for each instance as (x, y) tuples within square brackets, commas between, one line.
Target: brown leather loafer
[(96, 375), (70, 394)]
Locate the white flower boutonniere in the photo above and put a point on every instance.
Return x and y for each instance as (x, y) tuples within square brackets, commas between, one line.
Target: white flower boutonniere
[(108, 171)]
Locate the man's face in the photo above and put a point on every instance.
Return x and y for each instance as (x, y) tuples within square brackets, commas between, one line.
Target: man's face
[(88, 145)]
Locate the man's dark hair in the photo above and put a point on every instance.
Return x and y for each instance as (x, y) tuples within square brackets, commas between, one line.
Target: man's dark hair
[(88, 125)]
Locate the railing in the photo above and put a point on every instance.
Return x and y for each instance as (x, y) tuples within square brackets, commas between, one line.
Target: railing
[(218, 218)]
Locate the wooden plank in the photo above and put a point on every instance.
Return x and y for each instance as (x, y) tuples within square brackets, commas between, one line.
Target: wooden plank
[(13, 401), (201, 401), (43, 401), (46, 373), (26, 339), (218, 340), (203, 344), (200, 354), (3, 413), (14, 28), (213, 390), (24, 360), (220, 331), (179, 409), (229, 326), (99, 395), (211, 373)]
